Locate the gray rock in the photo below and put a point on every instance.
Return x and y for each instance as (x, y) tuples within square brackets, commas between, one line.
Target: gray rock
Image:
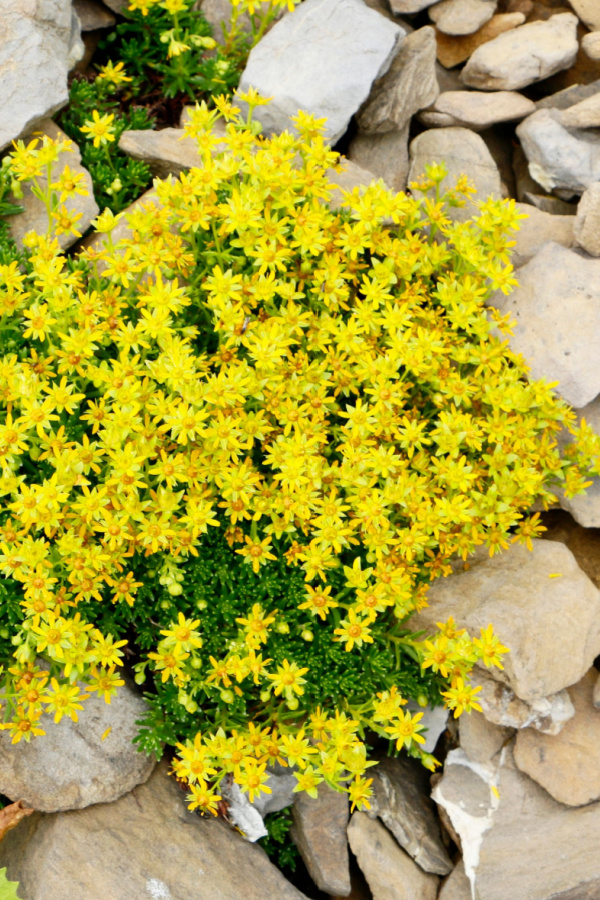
[(167, 152), (385, 155), (480, 739), (76, 50), (401, 799), (464, 153), (319, 832), (39, 43), (35, 215), (561, 287), (408, 7), (323, 59), (145, 845), (537, 229), (242, 813), (518, 842), (71, 767), (590, 44), (514, 591), (559, 158), (587, 220), (567, 765), (118, 6), (93, 15), (585, 114), (456, 886), (589, 13), (554, 206), (454, 50), (282, 783), (524, 55), (478, 109), (569, 96), (410, 84), (218, 15), (350, 176), (501, 706), (459, 17), (390, 872)]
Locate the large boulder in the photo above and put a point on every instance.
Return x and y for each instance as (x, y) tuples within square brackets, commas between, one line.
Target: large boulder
[(38, 47), (323, 59), (556, 307), (530, 597), (78, 763), (145, 845)]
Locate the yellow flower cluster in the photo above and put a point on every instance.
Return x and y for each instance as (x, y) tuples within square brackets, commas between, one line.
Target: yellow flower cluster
[(325, 383)]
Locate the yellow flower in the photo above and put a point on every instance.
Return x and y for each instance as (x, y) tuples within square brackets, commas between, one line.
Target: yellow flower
[(100, 128), (354, 630)]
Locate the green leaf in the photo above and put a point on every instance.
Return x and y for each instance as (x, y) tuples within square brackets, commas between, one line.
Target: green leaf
[(8, 889)]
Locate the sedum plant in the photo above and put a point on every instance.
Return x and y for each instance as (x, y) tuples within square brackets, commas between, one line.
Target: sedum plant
[(240, 438)]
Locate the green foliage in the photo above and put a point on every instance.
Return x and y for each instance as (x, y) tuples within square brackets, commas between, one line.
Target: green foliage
[(8, 889), (277, 843)]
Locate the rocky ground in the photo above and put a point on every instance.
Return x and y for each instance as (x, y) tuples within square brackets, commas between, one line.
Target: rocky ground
[(508, 92)]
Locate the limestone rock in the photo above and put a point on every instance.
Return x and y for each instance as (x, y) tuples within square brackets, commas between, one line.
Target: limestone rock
[(478, 109), (242, 813), (549, 204), (145, 845), (36, 53), (323, 59), (567, 765), (456, 886), (35, 215), (561, 287), (71, 767), (390, 872), (319, 832), (167, 152), (451, 51), (589, 13), (401, 800), (385, 155), (559, 159), (587, 220), (591, 45), (514, 592), (464, 153), (460, 17), (502, 707), (519, 842), (93, 15), (538, 228), (410, 84), (524, 55), (480, 739)]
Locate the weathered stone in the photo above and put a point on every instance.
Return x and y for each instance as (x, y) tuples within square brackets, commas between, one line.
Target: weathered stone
[(410, 84), (567, 765), (401, 799), (480, 739), (538, 228), (390, 872), (478, 109), (386, 155), (460, 17), (589, 13), (35, 214), (456, 886), (569, 96), (408, 7), (517, 841), (319, 832), (451, 51), (93, 15), (585, 114), (282, 783), (524, 55), (218, 15), (591, 45), (328, 71), (240, 812), (349, 176), (562, 287), (587, 220), (584, 543), (464, 153), (502, 707), (145, 845), (71, 766), (39, 46), (167, 152), (527, 607)]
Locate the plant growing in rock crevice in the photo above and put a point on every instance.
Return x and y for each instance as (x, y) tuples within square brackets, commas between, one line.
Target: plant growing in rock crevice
[(246, 438)]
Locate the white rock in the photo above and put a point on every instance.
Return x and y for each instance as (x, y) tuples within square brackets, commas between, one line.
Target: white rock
[(464, 153), (524, 55), (39, 44), (479, 109), (588, 11), (591, 45), (323, 59), (557, 311), (35, 215), (537, 229), (587, 220), (501, 706), (515, 592), (559, 159), (458, 17)]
